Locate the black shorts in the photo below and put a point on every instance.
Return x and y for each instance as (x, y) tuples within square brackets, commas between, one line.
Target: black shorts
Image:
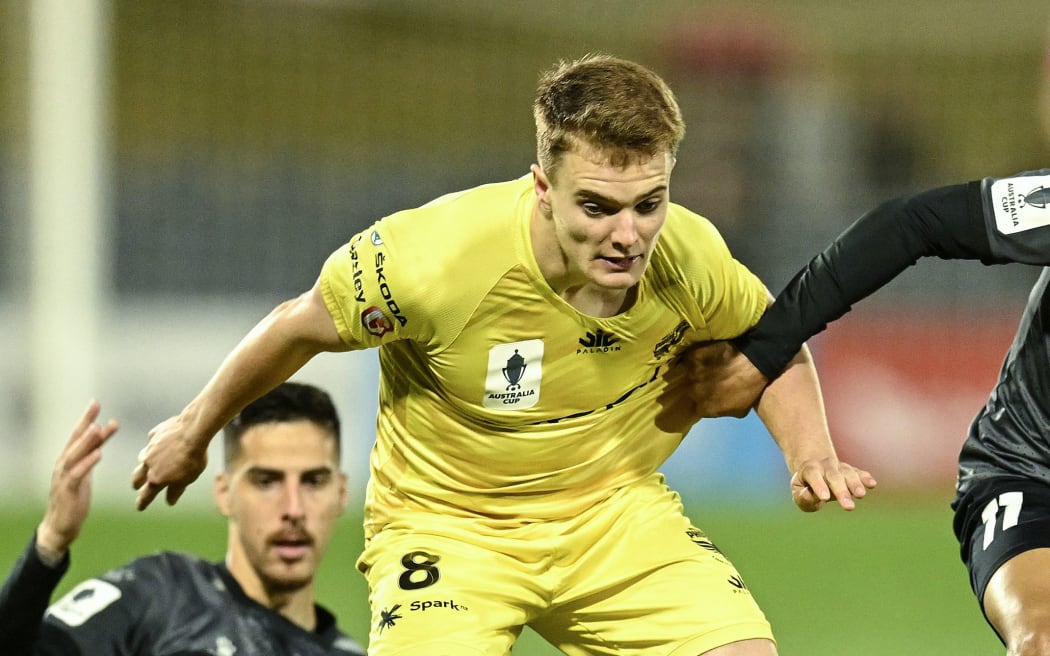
[(997, 519)]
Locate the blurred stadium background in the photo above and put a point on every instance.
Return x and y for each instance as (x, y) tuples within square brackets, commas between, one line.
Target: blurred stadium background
[(171, 169)]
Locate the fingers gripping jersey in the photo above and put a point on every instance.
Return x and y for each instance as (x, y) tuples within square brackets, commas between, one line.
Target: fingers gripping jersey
[(497, 397)]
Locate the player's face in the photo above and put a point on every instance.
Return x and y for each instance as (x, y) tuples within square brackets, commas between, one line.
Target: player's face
[(605, 218), (282, 496)]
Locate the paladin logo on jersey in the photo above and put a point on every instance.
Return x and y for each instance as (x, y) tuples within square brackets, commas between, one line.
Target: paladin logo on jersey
[(598, 342), (1021, 203), (514, 374)]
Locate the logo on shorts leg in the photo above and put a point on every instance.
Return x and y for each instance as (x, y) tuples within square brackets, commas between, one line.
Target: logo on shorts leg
[(699, 539), (737, 583), (388, 618)]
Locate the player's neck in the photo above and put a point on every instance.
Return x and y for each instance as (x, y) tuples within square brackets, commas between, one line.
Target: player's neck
[(295, 604), (598, 302)]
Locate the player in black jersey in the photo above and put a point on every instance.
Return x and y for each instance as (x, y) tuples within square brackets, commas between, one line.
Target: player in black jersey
[(1002, 502), (282, 491)]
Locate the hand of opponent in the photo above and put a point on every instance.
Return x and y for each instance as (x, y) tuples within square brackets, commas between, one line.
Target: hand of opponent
[(723, 382), (171, 459), (70, 496)]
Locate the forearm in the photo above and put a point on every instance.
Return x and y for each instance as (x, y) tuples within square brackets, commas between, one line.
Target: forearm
[(946, 222), (277, 347), (24, 598), (792, 410)]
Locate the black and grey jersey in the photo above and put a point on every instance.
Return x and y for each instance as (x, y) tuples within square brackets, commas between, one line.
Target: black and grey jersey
[(995, 221), (165, 604), (1011, 434)]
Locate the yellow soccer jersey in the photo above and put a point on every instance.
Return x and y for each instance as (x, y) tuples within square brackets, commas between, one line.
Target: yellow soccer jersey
[(497, 398)]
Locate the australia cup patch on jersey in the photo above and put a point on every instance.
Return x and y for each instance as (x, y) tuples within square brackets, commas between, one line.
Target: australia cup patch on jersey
[(1021, 203), (514, 374), (84, 601)]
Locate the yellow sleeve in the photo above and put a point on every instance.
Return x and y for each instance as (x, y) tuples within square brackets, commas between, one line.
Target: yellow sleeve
[(723, 298), (367, 291)]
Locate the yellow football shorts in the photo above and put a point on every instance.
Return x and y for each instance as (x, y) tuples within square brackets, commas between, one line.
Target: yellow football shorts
[(630, 576)]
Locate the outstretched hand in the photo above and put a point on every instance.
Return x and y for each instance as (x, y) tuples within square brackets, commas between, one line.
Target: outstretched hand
[(171, 459), (817, 482), (723, 382), (70, 497)]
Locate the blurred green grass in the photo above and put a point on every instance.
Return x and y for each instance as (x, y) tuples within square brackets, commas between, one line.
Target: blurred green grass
[(885, 579)]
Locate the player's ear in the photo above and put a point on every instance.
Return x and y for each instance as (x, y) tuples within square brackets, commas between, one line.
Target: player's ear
[(222, 493), (344, 492), (542, 185)]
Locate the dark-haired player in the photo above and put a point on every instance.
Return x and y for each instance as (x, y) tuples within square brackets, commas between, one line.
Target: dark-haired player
[(282, 491)]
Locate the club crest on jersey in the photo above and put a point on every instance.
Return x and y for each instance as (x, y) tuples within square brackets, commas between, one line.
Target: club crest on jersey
[(1021, 203), (664, 346), (512, 381)]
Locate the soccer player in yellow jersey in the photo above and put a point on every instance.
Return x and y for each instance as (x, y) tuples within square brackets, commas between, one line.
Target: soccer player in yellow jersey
[(528, 332)]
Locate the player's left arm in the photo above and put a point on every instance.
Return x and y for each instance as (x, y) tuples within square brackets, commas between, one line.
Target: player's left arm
[(792, 408)]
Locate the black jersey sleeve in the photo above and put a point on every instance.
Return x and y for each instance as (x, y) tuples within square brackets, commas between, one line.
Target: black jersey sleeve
[(24, 597), (992, 220)]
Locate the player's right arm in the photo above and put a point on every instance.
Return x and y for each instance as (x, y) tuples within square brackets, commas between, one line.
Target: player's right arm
[(277, 347)]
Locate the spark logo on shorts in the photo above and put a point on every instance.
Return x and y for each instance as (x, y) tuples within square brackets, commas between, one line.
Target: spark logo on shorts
[(514, 373), (1021, 203), (84, 602), (442, 603)]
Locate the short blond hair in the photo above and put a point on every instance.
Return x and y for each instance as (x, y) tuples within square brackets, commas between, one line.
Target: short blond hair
[(621, 108)]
